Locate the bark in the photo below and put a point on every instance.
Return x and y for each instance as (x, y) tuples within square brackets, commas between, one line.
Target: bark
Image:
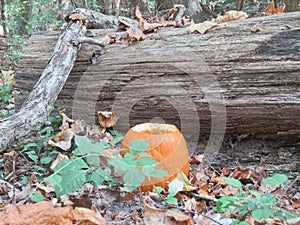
[(249, 81), (26, 16), (195, 11), (292, 5), (4, 17), (36, 109)]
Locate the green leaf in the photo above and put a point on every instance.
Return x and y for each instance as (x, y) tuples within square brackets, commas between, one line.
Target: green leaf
[(32, 155), (54, 179), (85, 146), (137, 146), (119, 165), (116, 140), (99, 176), (260, 214), (146, 162), (158, 189), (70, 182), (150, 171), (37, 197), (46, 160), (159, 173), (170, 199), (70, 165), (276, 179), (133, 178), (233, 182)]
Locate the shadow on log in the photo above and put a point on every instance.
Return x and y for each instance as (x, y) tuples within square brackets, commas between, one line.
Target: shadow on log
[(227, 80)]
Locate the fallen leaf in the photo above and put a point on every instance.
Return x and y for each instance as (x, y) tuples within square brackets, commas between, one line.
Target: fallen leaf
[(8, 77), (270, 10), (201, 27), (257, 27), (231, 16), (44, 213), (107, 119), (175, 217), (12, 154), (59, 158), (240, 174), (152, 214), (62, 140)]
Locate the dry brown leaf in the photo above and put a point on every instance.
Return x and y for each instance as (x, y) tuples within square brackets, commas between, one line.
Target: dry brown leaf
[(201, 27), (270, 10), (107, 119), (66, 121), (60, 157), (231, 16), (88, 217), (153, 215), (133, 34), (240, 174), (12, 154), (257, 27), (44, 213), (78, 16), (63, 140), (174, 217), (8, 77)]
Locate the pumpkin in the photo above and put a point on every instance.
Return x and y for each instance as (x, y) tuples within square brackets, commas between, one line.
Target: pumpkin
[(166, 145)]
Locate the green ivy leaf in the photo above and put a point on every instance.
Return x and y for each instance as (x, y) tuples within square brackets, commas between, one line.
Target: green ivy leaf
[(85, 146), (158, 189), (260, 214), (137, 146), (159, 173), (146, 162), (70, 165), (120, 166), (100, 175), (133, 178), (71, 182), (46, 160), (54, 179), (233, 182), (37, 197), (276, 179)]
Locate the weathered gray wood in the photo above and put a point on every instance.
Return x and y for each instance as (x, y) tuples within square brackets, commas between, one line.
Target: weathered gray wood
[(256, 74), (37, 107)]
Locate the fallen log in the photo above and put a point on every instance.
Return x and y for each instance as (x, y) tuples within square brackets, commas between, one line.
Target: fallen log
[(227, 80)]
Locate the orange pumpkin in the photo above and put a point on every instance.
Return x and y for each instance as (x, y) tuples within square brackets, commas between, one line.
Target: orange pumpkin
[(166, 145)]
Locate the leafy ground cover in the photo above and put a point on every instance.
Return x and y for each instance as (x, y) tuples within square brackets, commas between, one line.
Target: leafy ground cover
[(78, 166)]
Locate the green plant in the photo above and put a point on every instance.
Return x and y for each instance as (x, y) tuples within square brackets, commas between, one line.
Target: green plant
[(252, 203), (87, 166), (5, 98), (169, 199)]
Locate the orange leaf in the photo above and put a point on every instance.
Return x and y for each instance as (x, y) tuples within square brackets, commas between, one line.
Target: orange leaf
[(270, 10)]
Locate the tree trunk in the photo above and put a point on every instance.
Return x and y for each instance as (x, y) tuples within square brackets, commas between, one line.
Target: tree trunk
[(195, 11), (292, 5), (36, 109), (26, 16), (227, 80), (4, 17)]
